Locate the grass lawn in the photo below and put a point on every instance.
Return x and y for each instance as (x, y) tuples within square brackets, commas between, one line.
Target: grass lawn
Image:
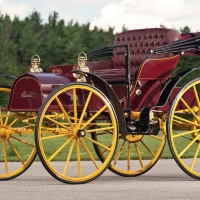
[(52, 145)]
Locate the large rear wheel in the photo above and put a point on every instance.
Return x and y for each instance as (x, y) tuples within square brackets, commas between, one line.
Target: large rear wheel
[(183, 128), (17, 148), (65, 123)]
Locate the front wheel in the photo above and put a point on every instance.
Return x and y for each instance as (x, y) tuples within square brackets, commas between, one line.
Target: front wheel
[(183, 128), (63, 132)]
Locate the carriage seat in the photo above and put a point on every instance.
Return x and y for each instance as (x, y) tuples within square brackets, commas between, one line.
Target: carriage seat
[(141, 42)]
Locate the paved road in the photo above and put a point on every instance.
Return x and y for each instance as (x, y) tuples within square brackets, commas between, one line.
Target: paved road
[(164, 181)]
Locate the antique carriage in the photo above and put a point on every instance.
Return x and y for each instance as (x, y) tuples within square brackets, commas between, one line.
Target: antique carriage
[(113, 109)]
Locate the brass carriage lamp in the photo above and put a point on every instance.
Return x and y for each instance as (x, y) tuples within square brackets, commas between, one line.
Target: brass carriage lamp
[(81, 66), (35, 64)]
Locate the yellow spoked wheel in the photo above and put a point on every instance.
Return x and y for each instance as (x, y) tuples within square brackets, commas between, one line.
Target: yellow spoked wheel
[(17, 145), (183, 128), (135, 155), (63, 132)]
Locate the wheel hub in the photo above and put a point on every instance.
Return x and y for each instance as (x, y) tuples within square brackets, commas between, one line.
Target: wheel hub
[(132, 138), (4, 133), (81, 133)]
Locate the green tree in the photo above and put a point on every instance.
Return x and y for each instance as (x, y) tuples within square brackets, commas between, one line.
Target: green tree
[(185, 29)]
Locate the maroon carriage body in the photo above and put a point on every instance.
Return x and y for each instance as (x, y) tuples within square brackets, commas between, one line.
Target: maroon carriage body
[(30, 89)]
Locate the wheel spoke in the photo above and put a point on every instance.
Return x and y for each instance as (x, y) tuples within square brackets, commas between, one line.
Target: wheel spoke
[(195, 156), (75, 106), (139, 155), (156, 137), (13, 122), (78, 158), (84, 109), (23, 141), (6, 119), (89, 154), (55, 136), (196, 96), (105, 150), (94, 116), (185, 133), (64, 112), (55, 130), (188, 107), (60, 149), (189, 145), (119, 152), (149, 150), (100, 129), (68, 157), (185, 120), (57, 123), (16, 153), (180, 123), (5, 156), (97, 143)]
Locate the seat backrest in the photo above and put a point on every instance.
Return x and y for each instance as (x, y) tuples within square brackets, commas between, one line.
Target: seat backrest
[(141, 42)]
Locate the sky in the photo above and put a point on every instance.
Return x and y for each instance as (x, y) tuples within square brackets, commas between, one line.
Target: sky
[(134, 14)]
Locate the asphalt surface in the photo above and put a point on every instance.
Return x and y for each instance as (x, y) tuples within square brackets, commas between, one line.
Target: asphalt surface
[(164, 181)]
